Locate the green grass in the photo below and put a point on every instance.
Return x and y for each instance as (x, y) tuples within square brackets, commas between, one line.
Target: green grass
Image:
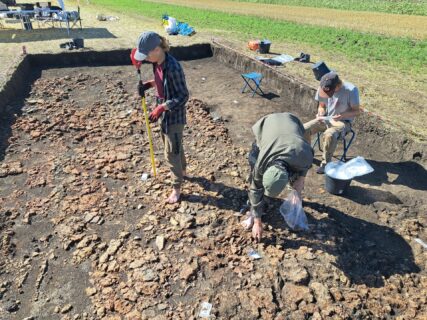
[(404, 54), (414, 7)]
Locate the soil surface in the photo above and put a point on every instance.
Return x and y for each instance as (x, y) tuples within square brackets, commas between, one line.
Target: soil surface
[(83, 237)]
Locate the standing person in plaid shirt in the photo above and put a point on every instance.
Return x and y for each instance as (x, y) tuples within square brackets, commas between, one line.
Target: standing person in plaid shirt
[(172, 95)]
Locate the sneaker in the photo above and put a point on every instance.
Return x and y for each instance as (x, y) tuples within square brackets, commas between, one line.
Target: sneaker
[(321, 169)]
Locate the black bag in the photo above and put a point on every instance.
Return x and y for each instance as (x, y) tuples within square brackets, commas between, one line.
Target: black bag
[(303, 57)]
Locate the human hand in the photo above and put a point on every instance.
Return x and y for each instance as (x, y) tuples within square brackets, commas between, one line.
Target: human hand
[(337, 117), (296, 198), (257, 229), (320, 118), (156, 113), (142, 87), (298, 185)]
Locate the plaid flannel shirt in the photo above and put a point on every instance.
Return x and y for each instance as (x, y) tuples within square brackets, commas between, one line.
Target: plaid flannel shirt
[(176, 93)]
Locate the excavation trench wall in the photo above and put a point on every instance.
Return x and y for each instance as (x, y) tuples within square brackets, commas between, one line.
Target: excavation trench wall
[(379, 142), (374, 137)]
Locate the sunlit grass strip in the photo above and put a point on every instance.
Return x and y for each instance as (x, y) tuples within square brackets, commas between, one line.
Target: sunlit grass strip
[(404, 54), (414, 7)]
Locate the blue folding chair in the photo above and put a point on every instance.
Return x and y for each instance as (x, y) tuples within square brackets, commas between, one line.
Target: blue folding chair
[(254, 77), (346, 144)]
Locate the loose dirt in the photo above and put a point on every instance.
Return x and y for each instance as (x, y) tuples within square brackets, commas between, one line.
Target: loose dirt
[(82, 237)]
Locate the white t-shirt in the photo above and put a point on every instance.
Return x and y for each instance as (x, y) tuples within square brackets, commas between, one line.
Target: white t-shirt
[(342, 101)]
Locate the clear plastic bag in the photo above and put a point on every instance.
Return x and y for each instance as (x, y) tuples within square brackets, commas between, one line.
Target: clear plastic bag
[(293, 213)]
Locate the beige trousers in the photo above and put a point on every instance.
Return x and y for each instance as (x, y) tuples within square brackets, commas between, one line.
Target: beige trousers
[(174, 153), (332, 131)]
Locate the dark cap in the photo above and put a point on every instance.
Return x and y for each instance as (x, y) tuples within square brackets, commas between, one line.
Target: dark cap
[(147, 42), (329, 82)]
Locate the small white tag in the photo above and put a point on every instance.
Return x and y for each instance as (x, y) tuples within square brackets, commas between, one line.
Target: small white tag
[(205, 310), (254, 255)]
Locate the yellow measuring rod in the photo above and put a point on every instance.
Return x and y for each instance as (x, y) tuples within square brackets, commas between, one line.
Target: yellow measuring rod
[(150, 139)]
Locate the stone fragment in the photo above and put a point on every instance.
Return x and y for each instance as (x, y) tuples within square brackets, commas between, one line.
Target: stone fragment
[(298, 275), (160, 242), (294, 294), (114, 245), (67, 308), (91, 291), (149, 275), (321, 293), (186, 221), (189, 270)]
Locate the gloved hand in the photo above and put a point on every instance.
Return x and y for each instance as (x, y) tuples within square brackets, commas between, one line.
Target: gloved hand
[(135, 62), (142, 87), (156, 113)]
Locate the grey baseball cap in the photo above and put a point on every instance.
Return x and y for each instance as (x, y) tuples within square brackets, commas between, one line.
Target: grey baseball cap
[(147, 42), (328, 83)]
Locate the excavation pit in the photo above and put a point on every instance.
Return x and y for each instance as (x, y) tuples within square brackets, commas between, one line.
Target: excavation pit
[(80, 230)]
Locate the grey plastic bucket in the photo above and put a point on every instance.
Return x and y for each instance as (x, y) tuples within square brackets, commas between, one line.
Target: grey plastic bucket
[(336, 186)]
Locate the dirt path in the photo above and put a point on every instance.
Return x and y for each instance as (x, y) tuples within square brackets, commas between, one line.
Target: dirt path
[(373, 22), (83, 236)]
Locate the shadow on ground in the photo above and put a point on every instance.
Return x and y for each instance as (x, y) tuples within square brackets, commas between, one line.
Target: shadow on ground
[(408, 173), (12, 111), (366, 252), (229, 198), (18, 36), (367, 196)]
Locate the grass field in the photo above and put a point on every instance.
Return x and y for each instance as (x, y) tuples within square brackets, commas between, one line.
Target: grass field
[(384, 24), (405, 54), (412, 7)]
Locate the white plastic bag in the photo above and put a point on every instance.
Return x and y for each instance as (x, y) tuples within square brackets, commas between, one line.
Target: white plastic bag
[(358, 167), (348, 170), (293, 213), (172, 27), (284, 58)]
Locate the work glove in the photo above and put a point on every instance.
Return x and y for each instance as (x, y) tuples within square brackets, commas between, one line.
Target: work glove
[(156, 113), (135, 62), (142, 87)]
